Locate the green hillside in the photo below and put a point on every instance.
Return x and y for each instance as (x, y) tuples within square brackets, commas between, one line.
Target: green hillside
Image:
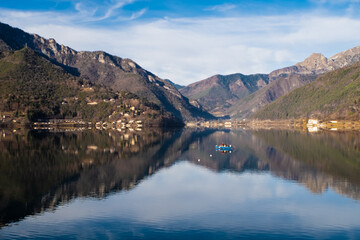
[(335, 95), (32, 88)]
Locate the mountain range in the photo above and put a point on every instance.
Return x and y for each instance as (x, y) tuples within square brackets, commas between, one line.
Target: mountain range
[(239, 96), (218, 93), (102, 68), (235, 96)]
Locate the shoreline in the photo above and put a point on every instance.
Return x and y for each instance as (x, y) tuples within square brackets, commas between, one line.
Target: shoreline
[(310, 125)]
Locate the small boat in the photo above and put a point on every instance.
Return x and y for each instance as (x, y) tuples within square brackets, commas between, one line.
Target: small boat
[(223, 147)]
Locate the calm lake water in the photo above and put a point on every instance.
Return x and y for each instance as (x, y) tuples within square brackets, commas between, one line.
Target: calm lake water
[(275, 184)]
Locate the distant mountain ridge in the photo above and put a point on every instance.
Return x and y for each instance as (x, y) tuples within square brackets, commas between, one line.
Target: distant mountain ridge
[(219, 92), (177, 86), (103, 68), (317, 63)]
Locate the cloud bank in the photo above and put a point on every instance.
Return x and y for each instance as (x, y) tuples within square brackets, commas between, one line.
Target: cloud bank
[(186, 50)]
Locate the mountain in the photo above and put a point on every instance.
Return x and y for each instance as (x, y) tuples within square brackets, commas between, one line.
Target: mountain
[(283, 81), (280, 86), (32, 88), (177, 86), (335, 95), (239, 96), (220, 92), (103, 68), (316, 63)]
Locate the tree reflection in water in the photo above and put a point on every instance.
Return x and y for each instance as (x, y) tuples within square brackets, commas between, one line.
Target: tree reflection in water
[(40, 170)]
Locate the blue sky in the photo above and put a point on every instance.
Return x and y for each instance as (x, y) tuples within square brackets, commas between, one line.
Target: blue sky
[(187, 41), (185, 8)]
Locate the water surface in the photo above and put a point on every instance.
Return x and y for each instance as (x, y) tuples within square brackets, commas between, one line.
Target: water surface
[(275, 184)]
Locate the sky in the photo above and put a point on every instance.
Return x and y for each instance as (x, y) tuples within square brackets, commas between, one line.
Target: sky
[(190, 40)]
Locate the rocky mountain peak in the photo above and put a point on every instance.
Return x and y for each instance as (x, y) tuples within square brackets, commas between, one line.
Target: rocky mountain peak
[(345, 58), (315, 63), (314, 60)]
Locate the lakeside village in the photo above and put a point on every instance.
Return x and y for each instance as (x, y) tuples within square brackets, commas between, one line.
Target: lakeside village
[(131, 120), (128, 120), (119, 125)]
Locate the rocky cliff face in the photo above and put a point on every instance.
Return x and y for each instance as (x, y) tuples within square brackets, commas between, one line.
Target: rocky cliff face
[(103, 68), (345, 58)]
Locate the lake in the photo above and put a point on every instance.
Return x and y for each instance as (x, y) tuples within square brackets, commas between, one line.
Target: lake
[(274, 184)]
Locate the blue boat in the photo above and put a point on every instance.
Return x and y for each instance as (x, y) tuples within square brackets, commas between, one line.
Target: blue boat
[(223, 148)]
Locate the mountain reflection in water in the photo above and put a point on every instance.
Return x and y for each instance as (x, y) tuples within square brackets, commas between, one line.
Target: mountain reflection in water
[(41, 170), (317, 161)]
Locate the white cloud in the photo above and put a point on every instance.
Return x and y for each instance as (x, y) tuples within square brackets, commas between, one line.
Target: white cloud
[(190, 49), (222, 7), (138, 14), (91, 12), (117, 5)]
